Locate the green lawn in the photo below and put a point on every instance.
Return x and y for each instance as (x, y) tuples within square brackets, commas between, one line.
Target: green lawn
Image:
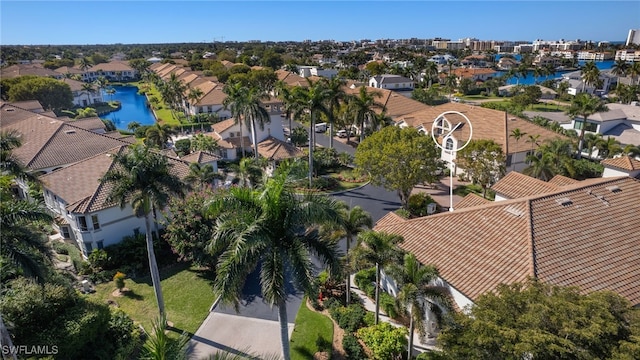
[(464, 190), (187, 296), (164, 115), (313, 331), (478, 97)]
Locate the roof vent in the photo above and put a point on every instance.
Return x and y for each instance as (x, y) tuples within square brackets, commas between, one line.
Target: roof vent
[(564, 201), (514, 211), (70, 132), (512, 119), (614, 189), (9, 109)]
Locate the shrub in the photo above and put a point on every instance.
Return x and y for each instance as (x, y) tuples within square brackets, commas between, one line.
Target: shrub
[(349, 318), (388, 305), (352, 347), (384, 340), (60, 248), (118, 278), (365, 280), (418, 204), (332, 303), (403, 213)]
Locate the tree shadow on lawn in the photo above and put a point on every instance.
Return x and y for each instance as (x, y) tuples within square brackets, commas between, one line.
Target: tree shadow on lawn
[(165, 273)]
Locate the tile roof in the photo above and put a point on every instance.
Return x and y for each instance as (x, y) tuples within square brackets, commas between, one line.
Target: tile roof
[(29, 105), (90, 123), (79, 184), (112, 66), (75, 85), (213, 97), (200, 157), (560, 180), (69, 70), (516, 185), (470, 73), (396, 105), (623, 162), (49, 142), (274, 149), (389, 219), (487, 124), (223, 125), (471, 200), (27, 69), (585, 234)]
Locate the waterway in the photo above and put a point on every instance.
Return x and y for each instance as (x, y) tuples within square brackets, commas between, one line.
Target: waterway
[(134, 107), (530, 79)]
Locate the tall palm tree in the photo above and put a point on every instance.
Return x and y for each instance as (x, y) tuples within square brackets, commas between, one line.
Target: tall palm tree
[(541, 167), (431, 72), (311, 99), (608, 148), (143, 179), (590, 75), (276, 229), (248, 172), (256, 113), (158, 135), (235, 102), (84, 63), (201, 175), (517, 134), (352, 222), (585, 105), (417, 292), (201, 142), (194, 95), (377, 249), (362, 107), (133, 125), (285, 94), (90, 89), (634, 71), (619, 69), (533, 140), (335, 88)]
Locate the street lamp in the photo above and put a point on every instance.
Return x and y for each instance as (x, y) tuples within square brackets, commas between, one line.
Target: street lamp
[(453, 149)]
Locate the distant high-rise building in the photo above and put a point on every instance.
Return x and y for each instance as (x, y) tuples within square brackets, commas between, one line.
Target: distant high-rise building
[(634, 37)]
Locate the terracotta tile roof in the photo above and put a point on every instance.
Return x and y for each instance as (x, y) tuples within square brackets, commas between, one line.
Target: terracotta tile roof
[(560, 180), (158, 66), (487, 124), (516, 185), (112, 66), (470, 73), (471, 200), (228, 64), (90, 123), (396, 105), (200, 157), (237, 143), (221, 142), (29, 105), (586, 234), (274, 149), (69, 70), (624, 162), (291, 79), (79, 184), (213, 97), (75, 85), (223, 125), (27, 69), (389, 219), (49, 142)]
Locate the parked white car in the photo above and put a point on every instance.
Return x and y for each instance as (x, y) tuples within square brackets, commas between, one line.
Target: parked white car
[(342, 133)]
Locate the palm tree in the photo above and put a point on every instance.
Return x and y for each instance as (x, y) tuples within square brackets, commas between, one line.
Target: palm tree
[(584, 105), (90, 89), (517, 134), (311, 99), (619, 69), (352, 222), (194, 95), (590, 75), (133, 125), (634, 71), (541, 167), (256, 113), (416, 292), (160, 346), (84, 63), (608, 148), (158, 135), (284, 93), (377, 249), (431, 72), (248, 172), (201, 175), (9, 163), (276, 229), (201, 142), (335, 88), (362, 108), (143, 179), (235, 102), (533, 140), (631, 150)]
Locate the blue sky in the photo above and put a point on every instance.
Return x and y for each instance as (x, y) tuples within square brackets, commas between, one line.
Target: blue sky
[(108, 22)]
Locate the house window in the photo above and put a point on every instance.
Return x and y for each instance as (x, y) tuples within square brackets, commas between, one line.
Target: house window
[(96, 223), (100, 244), (231, 135), (449, 144), (65, 232), (88, 246), (82, 223), (589, 127)]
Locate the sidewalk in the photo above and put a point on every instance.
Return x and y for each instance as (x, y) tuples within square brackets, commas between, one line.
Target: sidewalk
[(419, 344)]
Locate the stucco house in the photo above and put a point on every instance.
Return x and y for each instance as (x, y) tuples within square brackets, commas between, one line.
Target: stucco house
[(621, 166), (487, 124), (78, 199), (558, 235), (475, 74), (391, 82), (622, 122), (81, 96), (14, 71), (576, 85), (113, 71), (230, 139)]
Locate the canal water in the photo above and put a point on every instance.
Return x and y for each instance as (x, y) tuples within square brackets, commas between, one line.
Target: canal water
[(134, 107)]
